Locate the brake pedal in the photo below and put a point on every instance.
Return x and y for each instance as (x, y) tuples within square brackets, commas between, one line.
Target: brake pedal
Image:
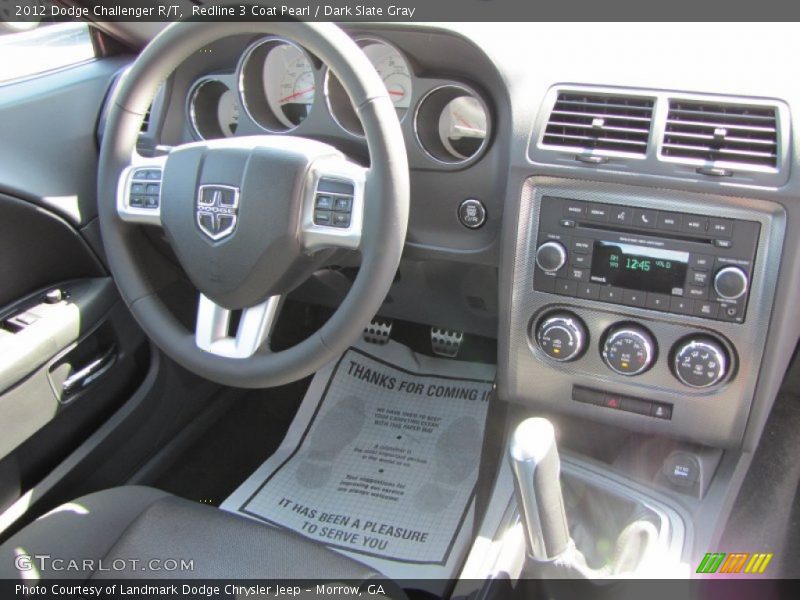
[(446, 342), (378, 332)]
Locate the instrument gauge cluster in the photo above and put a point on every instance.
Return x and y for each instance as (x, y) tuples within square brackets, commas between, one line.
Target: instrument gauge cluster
[(279, 87)]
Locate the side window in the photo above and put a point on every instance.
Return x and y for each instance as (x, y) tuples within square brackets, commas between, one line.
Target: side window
[(31, 44)]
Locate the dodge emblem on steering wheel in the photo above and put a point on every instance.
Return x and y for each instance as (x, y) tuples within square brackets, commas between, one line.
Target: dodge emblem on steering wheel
[(217, 210)]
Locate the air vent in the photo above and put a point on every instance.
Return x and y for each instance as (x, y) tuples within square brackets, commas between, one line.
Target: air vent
[(600, 122), (146, 121), (735, 134)]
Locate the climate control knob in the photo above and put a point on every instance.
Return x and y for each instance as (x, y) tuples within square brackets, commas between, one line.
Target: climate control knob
[(730, 283), (629, 349), (551, 256), (562, 336), (700, 362)]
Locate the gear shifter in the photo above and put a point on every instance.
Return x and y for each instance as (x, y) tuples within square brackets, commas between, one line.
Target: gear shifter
[(537, 468)]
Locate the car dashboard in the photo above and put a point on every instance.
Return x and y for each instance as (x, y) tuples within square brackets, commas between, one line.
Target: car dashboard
[(618, 212)]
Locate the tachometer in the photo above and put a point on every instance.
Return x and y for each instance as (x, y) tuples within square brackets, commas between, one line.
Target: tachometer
[(277, 84), (289, 84)]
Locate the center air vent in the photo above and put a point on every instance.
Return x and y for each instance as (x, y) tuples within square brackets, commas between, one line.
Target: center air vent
[(736, 134), (600, 122)]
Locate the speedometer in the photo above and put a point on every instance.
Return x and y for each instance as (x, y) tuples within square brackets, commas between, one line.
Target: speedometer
[(394, 72), (392, 68)]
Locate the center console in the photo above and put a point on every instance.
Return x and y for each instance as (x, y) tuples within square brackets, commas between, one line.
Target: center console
[(643, 308)]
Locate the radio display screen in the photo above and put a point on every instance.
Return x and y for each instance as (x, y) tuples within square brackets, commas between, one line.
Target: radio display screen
[(638, 267)]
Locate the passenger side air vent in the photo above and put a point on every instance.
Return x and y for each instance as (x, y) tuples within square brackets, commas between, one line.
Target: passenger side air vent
[(721, 134), (608, 123)]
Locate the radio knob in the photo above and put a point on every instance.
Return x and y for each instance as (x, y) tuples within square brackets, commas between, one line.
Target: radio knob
[(629, 350), (562, 336), (730, 283), (551, 256), (700, 362)]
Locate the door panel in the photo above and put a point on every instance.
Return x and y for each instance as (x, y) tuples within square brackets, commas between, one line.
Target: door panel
[(66, 362)]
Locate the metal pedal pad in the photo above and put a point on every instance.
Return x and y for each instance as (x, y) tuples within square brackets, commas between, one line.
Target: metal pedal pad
[(446, 342), (378, 331)]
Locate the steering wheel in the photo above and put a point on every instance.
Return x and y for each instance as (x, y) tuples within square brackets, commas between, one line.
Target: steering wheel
[(240, 213)]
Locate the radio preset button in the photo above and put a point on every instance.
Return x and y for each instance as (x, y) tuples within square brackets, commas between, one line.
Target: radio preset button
[(634, 297), (566, 287), (567, 223), (680, 305), (643, 217), (658, 301), (723, 243), (611, 294), (551, 256), (589, 291)]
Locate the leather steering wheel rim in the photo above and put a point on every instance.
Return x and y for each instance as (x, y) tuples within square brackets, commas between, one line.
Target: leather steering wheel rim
[(385, 216)]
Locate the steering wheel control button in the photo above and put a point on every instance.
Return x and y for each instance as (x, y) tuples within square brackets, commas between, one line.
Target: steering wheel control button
[(334, 206), (551, 256), (324, 202), (562, 336), (343, 204), (472, 213), (341, 219), (145, 189), (730, 283), (700, 362), (629, 350), (322, 217)]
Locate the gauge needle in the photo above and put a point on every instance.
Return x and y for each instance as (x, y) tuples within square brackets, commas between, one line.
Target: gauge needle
[(296, 94), (396, 93)]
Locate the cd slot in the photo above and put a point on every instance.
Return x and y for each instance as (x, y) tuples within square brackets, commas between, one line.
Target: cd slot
[(649, 233)]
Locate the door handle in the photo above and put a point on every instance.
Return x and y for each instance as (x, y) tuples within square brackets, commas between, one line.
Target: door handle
[(95, 369)]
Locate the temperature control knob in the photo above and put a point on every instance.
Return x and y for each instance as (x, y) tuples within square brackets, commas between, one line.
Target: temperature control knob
[(700, 362), (562, 336), (629, 349), (730, 283), (551, 256)]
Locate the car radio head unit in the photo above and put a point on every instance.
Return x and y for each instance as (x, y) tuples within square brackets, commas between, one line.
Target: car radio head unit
[(660, 260)]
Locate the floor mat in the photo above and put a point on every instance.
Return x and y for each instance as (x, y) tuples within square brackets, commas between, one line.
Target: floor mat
[(381, 461)]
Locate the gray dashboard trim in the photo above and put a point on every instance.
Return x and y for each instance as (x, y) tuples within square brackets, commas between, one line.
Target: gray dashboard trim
[(716, 416)]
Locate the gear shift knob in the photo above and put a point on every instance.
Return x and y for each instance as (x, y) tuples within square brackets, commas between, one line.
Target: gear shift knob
[(536, 466)]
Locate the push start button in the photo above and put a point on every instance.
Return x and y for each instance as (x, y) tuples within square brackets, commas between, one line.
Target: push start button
[(472, 213)]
